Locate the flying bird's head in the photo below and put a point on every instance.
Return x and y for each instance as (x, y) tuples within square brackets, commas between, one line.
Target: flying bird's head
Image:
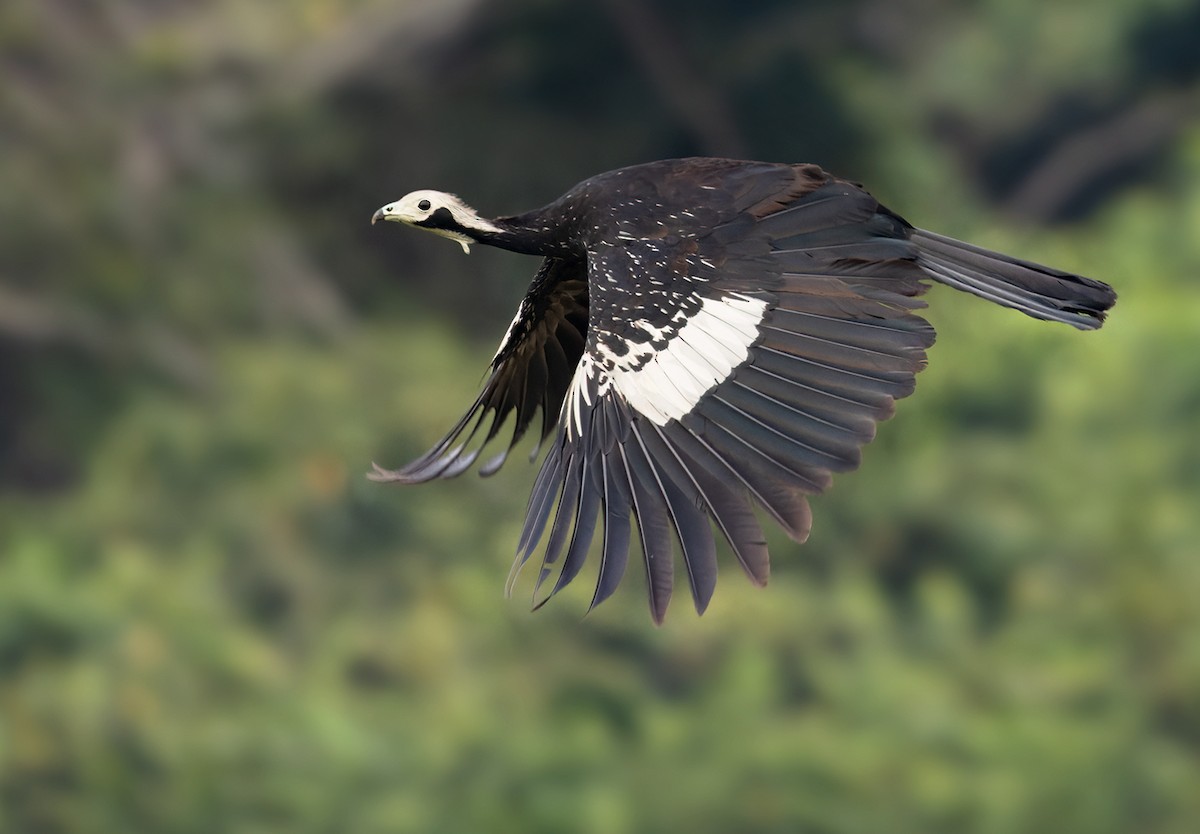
[(440, 213)]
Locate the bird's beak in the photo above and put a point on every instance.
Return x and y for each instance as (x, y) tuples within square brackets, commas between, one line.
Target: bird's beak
[(378, 215)]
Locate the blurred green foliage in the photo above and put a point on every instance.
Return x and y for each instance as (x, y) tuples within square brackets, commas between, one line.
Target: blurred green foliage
[(209, 621)]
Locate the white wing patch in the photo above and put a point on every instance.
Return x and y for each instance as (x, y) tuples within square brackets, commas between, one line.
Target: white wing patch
[(578, 396), (666, 384), (511, 327)]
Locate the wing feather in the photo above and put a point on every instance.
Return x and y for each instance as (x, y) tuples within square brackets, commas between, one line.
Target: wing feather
[(618, 505), (692, 527), (531, 371), (653, 529), (572, 486), (725, 458), (728, 509)]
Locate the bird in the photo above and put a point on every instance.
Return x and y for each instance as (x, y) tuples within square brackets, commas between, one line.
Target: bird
[(701, 337)]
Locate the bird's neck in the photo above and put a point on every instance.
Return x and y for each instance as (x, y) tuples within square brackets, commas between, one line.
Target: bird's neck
[(529, 234)]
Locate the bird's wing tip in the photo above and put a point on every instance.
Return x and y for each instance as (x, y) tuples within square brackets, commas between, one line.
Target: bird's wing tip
[(381, 476)]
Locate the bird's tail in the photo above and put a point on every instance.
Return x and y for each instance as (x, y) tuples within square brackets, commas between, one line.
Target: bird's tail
[(1039, 291)]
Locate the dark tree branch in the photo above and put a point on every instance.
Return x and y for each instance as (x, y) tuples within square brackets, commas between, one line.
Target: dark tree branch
[(696, 103), (1084, 158)]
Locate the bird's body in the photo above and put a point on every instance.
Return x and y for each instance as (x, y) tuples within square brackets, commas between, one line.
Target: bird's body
[(703, 335)]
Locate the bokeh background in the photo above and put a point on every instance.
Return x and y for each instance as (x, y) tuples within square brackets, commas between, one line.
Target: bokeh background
[(211, 622)]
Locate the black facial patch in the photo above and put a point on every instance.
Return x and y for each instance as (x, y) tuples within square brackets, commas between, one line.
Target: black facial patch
[(440, 219)]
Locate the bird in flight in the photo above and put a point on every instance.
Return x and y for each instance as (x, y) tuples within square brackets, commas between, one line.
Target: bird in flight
[(703, 336)]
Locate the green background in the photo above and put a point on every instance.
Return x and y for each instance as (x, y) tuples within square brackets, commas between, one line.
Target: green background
[(211, 622)]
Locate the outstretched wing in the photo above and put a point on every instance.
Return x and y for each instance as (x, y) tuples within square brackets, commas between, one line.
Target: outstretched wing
[(740, 365), (530, 372)]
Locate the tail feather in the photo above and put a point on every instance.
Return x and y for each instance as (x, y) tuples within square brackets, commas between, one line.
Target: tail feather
[(1036, 290)]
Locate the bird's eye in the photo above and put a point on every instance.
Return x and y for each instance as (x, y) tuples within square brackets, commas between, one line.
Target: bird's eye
[(424, 205)]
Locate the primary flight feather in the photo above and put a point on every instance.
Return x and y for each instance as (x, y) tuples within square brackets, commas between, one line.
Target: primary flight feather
[(703, 335)]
